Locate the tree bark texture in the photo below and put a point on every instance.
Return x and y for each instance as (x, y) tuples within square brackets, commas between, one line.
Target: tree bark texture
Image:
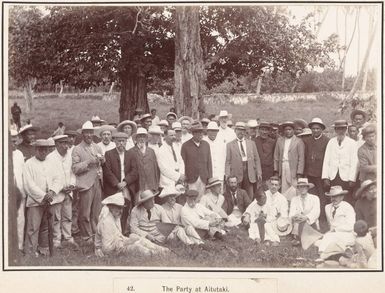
[(189, 72), (28, 93)]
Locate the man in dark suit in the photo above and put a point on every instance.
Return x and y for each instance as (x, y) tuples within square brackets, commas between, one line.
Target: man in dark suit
[(242, 160), (120, 173), (265, 146), (236, 199), (197, 160)]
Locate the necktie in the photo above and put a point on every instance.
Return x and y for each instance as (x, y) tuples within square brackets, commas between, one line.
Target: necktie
[(242, 149), (148, 214), (334, 212), (235, 199), (173, 153)]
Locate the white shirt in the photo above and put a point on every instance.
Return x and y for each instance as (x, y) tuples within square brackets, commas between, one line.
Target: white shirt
[(186, 137), (18, 166), (130, 143), (196, 216), (170, 171), (38, 178), (308, 206), (218, 157), (173, 214), (156, 120), (213, 203), (226, 135), (344, 217), (121, 158), (340, 158), (254, 210), (278, 203), (64, 167), (107, 147), (244, 154), (286, 149)]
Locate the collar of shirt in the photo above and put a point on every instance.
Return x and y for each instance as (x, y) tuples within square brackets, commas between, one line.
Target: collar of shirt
[(317, 138), (196, 143)]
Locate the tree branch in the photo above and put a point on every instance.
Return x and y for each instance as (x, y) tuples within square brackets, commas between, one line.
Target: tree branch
[(136, 21)]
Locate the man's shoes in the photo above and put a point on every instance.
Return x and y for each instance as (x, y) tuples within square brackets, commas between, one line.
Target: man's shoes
[(218, 235), (267, 243), (71, 244)]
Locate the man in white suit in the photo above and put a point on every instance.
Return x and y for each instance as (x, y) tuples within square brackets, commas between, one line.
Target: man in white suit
[(340, 161), (170, 161)]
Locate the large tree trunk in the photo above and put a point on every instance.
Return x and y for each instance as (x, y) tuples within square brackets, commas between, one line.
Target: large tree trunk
[(28, 93), (133, 95), (189, 68)]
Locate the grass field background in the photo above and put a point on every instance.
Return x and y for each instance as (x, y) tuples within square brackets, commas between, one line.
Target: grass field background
[(238, 250), (48, 112)]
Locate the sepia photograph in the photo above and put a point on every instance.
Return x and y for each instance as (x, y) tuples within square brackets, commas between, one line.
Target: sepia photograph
[(177, 136)]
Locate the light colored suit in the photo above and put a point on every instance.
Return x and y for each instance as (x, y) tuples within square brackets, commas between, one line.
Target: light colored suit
[(296, 156), (310, 209), (170, 171), (233, 165)]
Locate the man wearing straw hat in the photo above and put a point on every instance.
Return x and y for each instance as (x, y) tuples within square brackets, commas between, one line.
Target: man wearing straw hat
[(109, 239), (28, 135), (341, 218), (105, 133), (213, 199), (225, 134), (186, 123), (62, 223), (128, 127), (145, 216), (155, 138), (170, 161), (340, 161), (304, 208), (87, 160), (120, 174), (188, 235), (42, 183)]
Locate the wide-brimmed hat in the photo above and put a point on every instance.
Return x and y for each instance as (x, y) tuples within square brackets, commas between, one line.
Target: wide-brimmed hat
[(309, 236), (176, 126), (127, 122), (145, 116), (240, 125), (196, 126), (357, 111), (71, 133), (171, 114), (186, 118), (96, 118), (105, 128), (364, 186), (140, 131), (300, 122), (274, 125), (282, 226), (119, 134), (264, 124), (336, 190), (51, 141), (213, 182), (172, 190), (306, 131), (205, 121), (41, 143), (155, 129), (252, 123), (212, 126), (317, 121), (87, 126), (304, 182), (370, 128), (28, 127), (192, 193), (340, 124), (163, 123), (62, 137), (115, 199), (223, 113), (146, 195), (287, 123)]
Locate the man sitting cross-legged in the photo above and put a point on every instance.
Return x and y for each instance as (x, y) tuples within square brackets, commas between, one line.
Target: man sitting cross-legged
[(196, 215), (172, 209), (109, 238)]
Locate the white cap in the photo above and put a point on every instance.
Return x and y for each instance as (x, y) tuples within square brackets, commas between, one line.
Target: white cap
[(172, 190), (176, 125), (155, 129), (252, 123), (51, 141), (116, 199), (223, 113), (87, 126)]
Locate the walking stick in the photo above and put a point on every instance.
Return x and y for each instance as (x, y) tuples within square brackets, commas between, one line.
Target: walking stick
[(48, 215)]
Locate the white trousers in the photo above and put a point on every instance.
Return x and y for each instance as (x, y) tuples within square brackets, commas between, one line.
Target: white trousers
[(269, 232)]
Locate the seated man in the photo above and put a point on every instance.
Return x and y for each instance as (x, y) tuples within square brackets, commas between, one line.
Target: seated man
[(109, 238), (213, 200), (278, 202), (304, 208), (260, 217), (145, 216), (172, 209), (366, 205), (196, 215), (341, 218)]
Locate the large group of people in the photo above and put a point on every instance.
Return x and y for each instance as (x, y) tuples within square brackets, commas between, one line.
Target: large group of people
[(132, 187)]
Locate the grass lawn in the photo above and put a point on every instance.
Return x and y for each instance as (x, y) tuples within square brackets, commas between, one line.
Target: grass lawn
[(74, 112), (237, 250)]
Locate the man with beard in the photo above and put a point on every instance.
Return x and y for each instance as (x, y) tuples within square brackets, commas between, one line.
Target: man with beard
[(87, 159), (105, 133), (28, 135)]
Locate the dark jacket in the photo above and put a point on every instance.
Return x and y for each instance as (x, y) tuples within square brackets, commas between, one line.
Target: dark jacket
[(314, 155), (197, 161), (243, 201), (112, 175), (265, 149)]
